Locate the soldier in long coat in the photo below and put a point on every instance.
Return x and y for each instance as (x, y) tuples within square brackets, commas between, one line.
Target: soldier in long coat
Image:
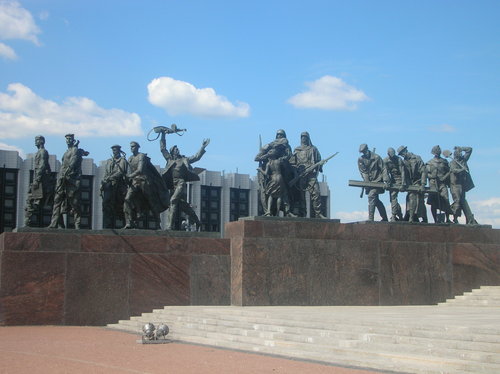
[(461, 182)]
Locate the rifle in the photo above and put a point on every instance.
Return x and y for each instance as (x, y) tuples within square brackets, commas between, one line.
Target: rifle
[(166, 130), (310, 169), (384, 186)]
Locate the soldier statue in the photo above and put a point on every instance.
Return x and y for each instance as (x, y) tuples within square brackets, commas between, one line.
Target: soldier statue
[(114, 187), (461, 182), (178, 172), (395, 177), (438, 172), (371, 168), (146, 191), (304, 157), (276, 188), (67, 193), (41, 191), (263, 156), (417, 176)]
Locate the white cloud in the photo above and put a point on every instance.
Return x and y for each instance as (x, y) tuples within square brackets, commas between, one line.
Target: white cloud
[(487, 212), (17, 22), (7, 52), (13, 148), (442, 128), (354, 216), (330, 93), (179, 97), (24, 113)]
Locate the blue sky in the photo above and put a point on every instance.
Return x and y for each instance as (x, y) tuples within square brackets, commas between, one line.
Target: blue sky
[(385, 73)]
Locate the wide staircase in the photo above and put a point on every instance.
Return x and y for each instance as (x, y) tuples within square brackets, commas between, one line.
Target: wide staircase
[(484, 296), (403, 339)]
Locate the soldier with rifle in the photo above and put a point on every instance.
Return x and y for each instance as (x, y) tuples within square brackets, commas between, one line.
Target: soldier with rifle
[(371, 168), (303, 157), (67, 194), (114, 187), (178, 172)]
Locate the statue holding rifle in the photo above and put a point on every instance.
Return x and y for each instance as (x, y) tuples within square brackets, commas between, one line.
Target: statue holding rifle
[(114, 187), (178, 172), (306, 160), (67, 194)]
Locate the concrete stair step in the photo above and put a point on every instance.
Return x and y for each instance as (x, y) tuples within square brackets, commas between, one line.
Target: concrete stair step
[(427, 340)]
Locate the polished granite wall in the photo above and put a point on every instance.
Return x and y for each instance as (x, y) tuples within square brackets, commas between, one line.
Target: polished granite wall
[(77, 278), (321, 262)]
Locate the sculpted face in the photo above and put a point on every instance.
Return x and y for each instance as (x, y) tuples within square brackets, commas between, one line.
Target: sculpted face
[(134, 148), (116, 152), (39, 141), (70, 140), (391, 152), (175, 152)]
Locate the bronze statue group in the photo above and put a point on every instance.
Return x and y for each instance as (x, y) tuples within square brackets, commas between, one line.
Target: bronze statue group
[(132, 188), (406, 172)]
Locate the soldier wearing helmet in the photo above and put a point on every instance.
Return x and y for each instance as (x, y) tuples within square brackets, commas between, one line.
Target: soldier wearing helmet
[(371, 168)]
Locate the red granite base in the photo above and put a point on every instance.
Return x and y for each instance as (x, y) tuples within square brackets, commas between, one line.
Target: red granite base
[(286, 262), (73, 278)]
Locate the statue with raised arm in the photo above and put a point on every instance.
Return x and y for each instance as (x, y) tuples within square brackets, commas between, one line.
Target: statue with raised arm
[(146, 189), (114, 187), (177, 173), (67, 193), (438, 172), (460, 183), (417, 177), (395, 176), (41, 191), (371, 168)]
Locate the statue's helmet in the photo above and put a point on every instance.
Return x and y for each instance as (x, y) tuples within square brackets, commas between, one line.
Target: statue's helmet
[(391, 152), (436, 150), (116, 146), (40, 137), (363, 148), (280, 133), (402, 149), (133, 143)]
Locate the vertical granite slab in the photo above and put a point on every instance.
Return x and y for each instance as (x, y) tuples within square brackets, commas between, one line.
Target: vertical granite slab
[(159, 280), (31, 288), (97, 288), (210, 280), (474, 265), (414, 273)]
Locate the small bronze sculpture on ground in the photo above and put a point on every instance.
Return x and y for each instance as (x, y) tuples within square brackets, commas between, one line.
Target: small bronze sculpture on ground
[(41, 191), (146, 190), (114, 187), (67, 193), (395, 177), (285, 151), (371, 168), (178, 172), (460, 183), (439, 178), (417, 176), (307, 162)]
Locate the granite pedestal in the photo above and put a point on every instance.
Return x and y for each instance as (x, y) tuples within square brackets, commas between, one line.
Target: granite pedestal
[(325, 262), (80, 277)]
